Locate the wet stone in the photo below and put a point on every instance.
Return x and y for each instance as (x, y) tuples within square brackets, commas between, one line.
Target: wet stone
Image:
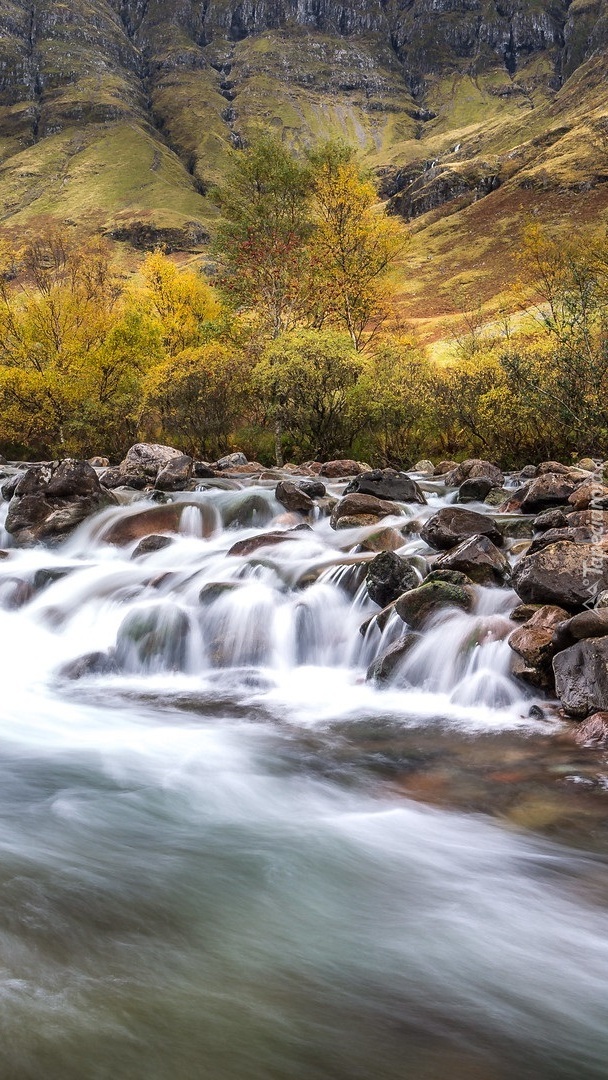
[(388, 576)]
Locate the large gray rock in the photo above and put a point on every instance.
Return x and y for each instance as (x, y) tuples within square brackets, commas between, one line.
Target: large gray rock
[(388, 576), (387, 484), (550, 489), (567, 574), (473, 468), (175, 475), (385, 667), (479, 559), (581, 677), (452, 524), (140, 466), (50, 500)]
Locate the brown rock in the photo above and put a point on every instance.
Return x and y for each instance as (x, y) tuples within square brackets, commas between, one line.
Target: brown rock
[(341, 467), (452, 524), (479, 559), (593, 732), (589, 492), (534, 643), (156, 519), (354, 505), (549, 489), (474, 467), (254, 543), (566, 574), (293, 498)]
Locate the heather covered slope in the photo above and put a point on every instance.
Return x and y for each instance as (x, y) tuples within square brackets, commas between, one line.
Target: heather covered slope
[(121, 115)]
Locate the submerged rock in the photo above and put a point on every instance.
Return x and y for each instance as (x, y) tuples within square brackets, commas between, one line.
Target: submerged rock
[(93, 663), (50, 500), (151, 543), (156, 519), (383, 668), (153, 639), (388, 576)]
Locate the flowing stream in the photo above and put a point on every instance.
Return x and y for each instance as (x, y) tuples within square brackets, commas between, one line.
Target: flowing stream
[(225, 855)]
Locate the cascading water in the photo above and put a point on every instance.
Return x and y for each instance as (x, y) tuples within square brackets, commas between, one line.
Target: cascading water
[(208, 866)]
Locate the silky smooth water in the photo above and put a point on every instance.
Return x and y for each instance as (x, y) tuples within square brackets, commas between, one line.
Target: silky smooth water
[(209, 865)]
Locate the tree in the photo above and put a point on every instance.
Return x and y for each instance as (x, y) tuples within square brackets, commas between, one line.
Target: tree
[(353, 246), (261, 243), (306, 378), (394, 400), (198, 397), (184, 304), (71, 350)]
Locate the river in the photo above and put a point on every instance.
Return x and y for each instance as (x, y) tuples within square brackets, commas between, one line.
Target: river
[(231, 858)]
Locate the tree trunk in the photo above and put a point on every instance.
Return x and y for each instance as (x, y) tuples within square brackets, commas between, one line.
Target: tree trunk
[(278, 440)]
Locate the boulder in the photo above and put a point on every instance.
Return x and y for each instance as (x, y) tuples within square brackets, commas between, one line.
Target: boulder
[(354, 505), (231, 461), (590, 493), (533, 642), (583, 535), (388, 576), (383, 668), (472, 468), (154, 638), (552, 467), (424, 467), (417, 605), (383, 539), (445, 467), (293, 498), (585, 624), (387, 484), (175, 475), (202, 470), (549, 489), (313, 488), (50, 500), (155, 519), (253, 543), (581, 677), (479, 559), (565, 573), (475, 490), (452, 524), (550, 519), (453, 577), (593, 732), (8, 487), (333, 470), (151, 543), (588, 464), (596, 519), (99, 462), (93, 663), (140, 466)]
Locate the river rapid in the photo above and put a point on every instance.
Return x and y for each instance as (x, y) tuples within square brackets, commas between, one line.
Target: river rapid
[(232, 858)]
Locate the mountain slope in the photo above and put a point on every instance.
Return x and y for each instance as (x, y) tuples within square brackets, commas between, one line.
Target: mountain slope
[(120, 115)]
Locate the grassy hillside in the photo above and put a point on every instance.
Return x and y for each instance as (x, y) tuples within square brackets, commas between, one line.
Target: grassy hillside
[(121, 115)]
